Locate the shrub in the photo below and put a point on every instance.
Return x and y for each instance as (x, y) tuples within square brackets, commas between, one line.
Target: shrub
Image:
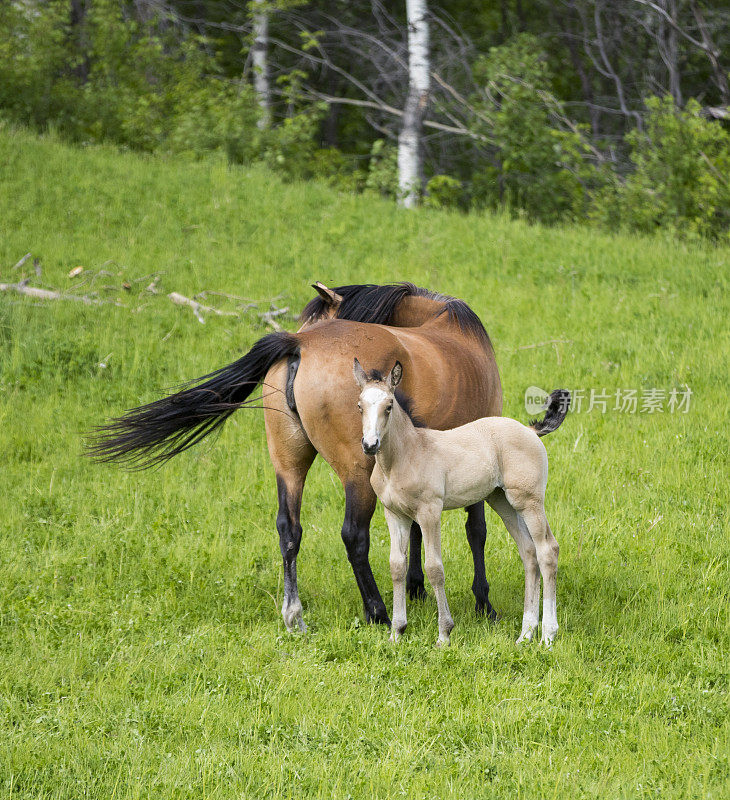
[(681, 177), (537, 164), (443, 191), (382, 177)]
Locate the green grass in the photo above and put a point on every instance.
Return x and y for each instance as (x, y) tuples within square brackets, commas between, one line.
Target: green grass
[(142, 653)]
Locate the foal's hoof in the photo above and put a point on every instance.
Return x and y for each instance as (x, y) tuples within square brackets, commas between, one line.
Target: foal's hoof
[(526, 636), (443, 641), (396, 631), (548, 637)]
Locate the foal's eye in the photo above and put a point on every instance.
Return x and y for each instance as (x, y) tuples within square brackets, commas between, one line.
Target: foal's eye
[(359, 408), (389, 408)]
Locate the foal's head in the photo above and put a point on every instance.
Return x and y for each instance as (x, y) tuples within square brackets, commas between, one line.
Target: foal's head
[(377, 396)]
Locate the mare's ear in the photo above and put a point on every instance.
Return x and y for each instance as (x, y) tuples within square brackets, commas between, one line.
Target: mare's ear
[(395, 375), (328, 295), (359, 373)]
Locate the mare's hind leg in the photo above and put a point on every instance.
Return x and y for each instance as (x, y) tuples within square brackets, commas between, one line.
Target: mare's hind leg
[(414, 578), (519, 532), (292, 455), (476, 535), (290, 487)]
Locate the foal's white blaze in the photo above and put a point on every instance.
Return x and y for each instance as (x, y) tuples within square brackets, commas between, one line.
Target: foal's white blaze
[(372, 402)]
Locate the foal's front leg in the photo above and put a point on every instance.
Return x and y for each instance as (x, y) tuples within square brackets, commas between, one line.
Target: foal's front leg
[(399, 528), (430, 522)]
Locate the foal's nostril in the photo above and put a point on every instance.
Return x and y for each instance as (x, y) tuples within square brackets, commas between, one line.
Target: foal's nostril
[(369, 449)]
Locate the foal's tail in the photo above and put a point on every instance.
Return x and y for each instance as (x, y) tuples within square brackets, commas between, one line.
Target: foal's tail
[(153, 433), (556, 410)]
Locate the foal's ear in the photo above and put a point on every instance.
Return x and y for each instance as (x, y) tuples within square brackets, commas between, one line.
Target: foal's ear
[(395, 375), (328, 295), (359, 373)]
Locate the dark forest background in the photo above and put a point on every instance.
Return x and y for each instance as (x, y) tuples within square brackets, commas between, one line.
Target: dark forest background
[(613, 112)]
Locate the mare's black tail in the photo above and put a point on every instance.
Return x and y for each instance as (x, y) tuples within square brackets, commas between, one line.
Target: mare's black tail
[(151, 434), (556, 410)]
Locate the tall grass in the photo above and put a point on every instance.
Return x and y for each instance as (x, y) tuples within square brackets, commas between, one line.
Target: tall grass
[(142, 653)]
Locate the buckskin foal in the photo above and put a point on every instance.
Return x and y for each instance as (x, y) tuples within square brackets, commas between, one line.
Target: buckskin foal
[(420, 472)]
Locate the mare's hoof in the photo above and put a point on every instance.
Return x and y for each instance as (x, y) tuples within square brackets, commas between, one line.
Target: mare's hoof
[(416, 590), (293, 618), (487, 610), (377, 616)]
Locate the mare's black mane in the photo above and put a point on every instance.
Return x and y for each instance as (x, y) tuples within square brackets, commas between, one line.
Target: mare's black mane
[(377, 304)]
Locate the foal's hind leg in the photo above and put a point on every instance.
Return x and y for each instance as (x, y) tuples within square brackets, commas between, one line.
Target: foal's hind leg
[(476, 535), (519, 532), (547, 556)]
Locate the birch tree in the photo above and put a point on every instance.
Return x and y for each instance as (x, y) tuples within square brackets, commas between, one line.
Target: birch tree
[(410, 152), (260, 60)]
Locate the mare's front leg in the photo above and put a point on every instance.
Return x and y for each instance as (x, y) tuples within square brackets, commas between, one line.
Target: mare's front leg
[(360, 502), (476, 535), (414, 577), (399, 528), (430, 521)]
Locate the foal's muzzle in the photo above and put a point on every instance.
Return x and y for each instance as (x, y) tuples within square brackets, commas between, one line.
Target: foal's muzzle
[(370, 449)]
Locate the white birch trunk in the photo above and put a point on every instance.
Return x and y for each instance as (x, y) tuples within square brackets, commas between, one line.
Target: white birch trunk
[(260, 61), (410, 166)]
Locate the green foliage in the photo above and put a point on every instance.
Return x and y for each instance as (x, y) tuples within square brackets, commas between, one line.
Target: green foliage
[(382, 176), (681, 176), (537, 166), (35, 84), (142, 650), (443, 191), (291, 148), (131, 84)]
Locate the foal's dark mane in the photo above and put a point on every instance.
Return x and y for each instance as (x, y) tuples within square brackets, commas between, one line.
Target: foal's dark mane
[(368, 302)]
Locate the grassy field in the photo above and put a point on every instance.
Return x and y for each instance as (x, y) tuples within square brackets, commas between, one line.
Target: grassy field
[(142, 653)]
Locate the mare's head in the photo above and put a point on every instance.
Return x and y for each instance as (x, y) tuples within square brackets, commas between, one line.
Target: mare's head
[(377, 396)]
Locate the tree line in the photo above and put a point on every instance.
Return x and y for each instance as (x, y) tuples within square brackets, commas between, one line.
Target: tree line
[(609, 111)]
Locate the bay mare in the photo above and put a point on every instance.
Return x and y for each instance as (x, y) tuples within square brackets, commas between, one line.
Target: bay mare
[(309, 400), (420, 472)]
